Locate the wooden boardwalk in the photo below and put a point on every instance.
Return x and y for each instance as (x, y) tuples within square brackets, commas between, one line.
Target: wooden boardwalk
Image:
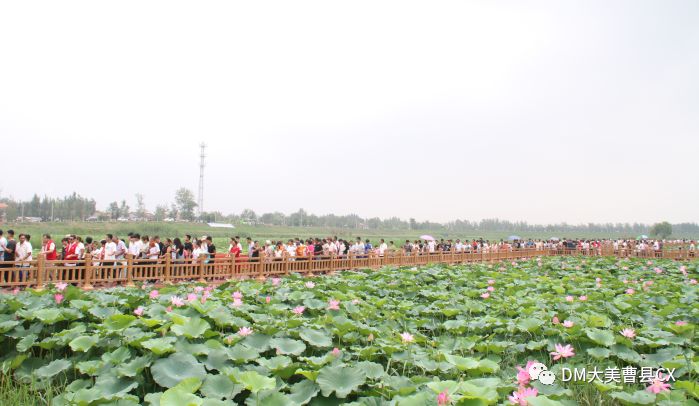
[(90, 272)]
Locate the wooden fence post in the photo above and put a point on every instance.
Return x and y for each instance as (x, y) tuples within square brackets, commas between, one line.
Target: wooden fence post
[(167, 271), (129, 271), (40, 269), (87, 277), (202, 268), (232, 273), (261, 267)]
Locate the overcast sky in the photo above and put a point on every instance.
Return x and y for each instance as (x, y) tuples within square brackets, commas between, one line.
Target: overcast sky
[(540, 111)]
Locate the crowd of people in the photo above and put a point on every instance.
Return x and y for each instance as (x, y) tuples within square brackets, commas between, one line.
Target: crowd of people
[(74, 248)]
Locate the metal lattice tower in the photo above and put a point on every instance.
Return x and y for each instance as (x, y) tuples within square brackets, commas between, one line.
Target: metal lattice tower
[(200, 200)]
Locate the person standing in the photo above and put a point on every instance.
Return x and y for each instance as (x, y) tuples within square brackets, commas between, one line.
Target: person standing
[(382, 247), (3, 245), (23, 255), (48, 248)]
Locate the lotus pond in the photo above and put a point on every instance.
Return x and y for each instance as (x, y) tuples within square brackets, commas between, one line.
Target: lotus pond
[(397, 336)]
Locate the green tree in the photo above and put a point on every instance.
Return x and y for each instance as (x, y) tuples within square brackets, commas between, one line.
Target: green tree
[(140, 206), (113, 210), (662, 230), (184, 199)]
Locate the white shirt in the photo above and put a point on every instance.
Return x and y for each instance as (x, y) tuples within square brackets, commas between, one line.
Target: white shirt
[(430, 246), (196, 253), (3, 245), (22, 250), (110, 250), (135, 248), (383, 247), (80, 250), (154, 252)]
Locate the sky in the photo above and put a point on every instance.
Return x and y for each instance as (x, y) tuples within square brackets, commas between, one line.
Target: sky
[(542, 111)]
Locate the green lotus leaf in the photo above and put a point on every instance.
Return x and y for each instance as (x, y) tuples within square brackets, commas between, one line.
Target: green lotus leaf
[(529, 324), (134, 367), (640, 397), (160, 346), (52, 369), (288, 345), (254, 382), (599, 353), (179, 397), (27, 342), (601, 337), (341, 380), (119, 321), (316, 338), (462, 363), (302, 392), (49, 316), (110, 386), (168, 372), (372, 370), (83, 343), (194, 327), (220, 387)]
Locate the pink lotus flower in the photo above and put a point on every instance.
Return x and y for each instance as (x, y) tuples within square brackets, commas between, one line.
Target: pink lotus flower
[(562, 351), (336, 352), (153, 294), (681, 323), (191, 297), (658, 386), (310, 285), (598, 280), (523, 376), (268, 299), (61, 286), (491, 281), (555, 320), (58, 298), (599, 285), (491, 289), (625, 281), (485, 295), (244, 331), (407, 338), (693, 281), (443, 398), (177, 301), (168, 309), (139, 311), (630, 291), (583, 298), (569, 298), (276, 281), (229, 340), (628, 333), (237, 295), (625, 268), (333, 304), (15, 291), (514, 263), (568, 324), (299, 310), (649, 262), (237, 303), (355, 301), (198, 289), (520, 397)]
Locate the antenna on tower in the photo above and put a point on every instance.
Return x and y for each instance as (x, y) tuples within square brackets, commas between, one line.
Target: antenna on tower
[(200, 200)]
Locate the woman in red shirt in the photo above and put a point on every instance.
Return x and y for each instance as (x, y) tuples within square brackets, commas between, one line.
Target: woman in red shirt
[(233, 249)]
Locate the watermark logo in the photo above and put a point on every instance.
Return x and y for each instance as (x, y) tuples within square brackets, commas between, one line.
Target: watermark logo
[(539, 372)]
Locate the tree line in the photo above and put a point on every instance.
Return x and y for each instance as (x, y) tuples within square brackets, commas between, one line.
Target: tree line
[(75, 207)]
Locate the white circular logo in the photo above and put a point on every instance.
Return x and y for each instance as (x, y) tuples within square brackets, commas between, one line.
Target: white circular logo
[(536, 369), (547, 377)]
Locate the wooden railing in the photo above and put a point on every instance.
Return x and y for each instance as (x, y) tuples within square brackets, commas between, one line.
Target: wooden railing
[(91, 272)]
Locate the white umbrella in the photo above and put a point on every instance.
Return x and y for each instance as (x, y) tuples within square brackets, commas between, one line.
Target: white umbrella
[(427, 237)]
